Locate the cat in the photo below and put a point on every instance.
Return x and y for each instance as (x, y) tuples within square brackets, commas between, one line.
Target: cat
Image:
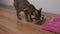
[(27, 8)]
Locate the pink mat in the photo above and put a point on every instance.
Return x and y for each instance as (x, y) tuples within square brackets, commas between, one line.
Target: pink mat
[(53, 24)]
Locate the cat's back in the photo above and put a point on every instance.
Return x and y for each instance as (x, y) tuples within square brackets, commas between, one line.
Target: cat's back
[(31, 6)]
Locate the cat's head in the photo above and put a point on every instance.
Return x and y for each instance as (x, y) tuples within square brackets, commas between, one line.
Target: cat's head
[(40, 9)]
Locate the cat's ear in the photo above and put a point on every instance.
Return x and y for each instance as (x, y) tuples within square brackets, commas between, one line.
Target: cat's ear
[(40, 9)]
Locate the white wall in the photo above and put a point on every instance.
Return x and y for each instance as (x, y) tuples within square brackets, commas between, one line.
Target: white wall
[(50, 6)]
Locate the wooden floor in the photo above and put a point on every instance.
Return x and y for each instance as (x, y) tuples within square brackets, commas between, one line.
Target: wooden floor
[(9, 24)]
